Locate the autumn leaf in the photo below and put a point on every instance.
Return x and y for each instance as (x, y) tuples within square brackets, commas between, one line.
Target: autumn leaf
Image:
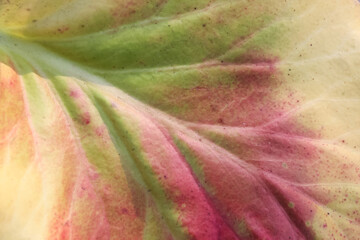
[(167, 119)]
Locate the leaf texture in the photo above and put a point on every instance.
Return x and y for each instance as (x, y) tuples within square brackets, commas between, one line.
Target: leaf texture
[(166, 119)]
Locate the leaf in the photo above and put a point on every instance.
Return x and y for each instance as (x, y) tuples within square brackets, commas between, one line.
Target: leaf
[(179, 119)]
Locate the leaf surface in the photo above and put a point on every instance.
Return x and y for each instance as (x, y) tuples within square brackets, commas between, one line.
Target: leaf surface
[(167, 119)]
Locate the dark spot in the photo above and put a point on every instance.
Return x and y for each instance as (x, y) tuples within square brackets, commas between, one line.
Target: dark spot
[(124, 211), (62, 30)]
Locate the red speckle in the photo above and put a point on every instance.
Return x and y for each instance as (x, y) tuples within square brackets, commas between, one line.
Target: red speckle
[(74, 93), (86, 119), (99, 131), (325, 226), (124, 211)]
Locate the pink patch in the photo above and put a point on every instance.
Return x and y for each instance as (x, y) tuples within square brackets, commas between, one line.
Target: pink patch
[(74, 93), (99, 131), (180, 185), (239, 195), (248, 101), (86, 118)]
